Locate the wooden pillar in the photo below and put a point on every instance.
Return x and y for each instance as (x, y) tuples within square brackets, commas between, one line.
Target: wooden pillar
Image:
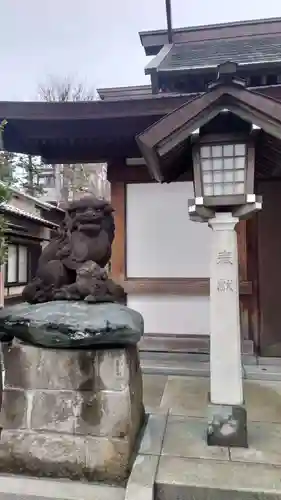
[(118, 259), (253, 276), (248, 272), (243, 276)]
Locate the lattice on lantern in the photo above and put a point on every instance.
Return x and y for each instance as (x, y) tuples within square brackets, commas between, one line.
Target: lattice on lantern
[(223, 169)]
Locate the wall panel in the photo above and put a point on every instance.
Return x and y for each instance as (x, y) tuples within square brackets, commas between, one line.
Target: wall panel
[(164, 314), (162, 242), (162, 259)]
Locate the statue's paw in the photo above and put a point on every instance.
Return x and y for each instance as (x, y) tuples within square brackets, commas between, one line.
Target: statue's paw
[(60, 295), (91, 299), (99, 298)]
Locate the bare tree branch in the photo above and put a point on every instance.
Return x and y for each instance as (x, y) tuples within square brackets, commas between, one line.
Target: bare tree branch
[(64, 91)]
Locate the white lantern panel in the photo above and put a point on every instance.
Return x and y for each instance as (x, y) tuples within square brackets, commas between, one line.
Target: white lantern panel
[(228, 176), (207, 177), (218, 163), (205, 152), (216, 151), (239, 175), (228, 188), (228, 150), (207, 164), (228, 163), (218, 176), (239, 188), (239, 162), (208, 190), (240, 149), (218, 189), (223, 169)]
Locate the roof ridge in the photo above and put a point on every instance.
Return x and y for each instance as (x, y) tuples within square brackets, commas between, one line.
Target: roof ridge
[(226, 24), (246, 38)]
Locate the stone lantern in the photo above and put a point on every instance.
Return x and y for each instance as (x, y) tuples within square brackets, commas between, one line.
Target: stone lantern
[(223, 172), (224, 193)]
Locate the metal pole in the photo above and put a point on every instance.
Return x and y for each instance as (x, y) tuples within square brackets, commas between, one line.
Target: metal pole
[(169, 20)]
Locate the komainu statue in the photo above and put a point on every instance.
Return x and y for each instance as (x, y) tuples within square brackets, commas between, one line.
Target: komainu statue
[(72, 266)]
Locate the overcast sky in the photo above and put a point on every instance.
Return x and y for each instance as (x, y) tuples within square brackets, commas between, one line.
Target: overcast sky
[(96, 41)]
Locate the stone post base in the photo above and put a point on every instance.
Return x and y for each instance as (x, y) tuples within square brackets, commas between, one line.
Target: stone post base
[(70, 413), (227, 426)]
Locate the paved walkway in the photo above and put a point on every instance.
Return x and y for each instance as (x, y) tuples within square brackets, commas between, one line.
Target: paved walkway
[(174, 450), (176, 432)]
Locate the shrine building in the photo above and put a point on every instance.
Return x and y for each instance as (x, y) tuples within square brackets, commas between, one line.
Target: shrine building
[(146, 136)]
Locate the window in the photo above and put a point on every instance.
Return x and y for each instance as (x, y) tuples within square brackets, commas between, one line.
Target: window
[(22, 264), (12, 264), (16, 267)]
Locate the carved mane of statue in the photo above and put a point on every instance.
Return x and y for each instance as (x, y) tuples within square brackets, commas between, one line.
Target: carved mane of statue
[(71, 267)]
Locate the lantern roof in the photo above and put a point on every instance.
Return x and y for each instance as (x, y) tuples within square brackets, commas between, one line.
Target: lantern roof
[(167, 143)]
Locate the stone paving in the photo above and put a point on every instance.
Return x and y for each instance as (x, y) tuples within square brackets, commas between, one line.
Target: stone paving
[(174, 451), (178, 404)]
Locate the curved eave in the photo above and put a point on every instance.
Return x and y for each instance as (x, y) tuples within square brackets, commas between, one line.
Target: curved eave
[(87, 131)]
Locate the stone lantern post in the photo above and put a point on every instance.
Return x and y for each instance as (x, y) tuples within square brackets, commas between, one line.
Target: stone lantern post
[(224, 194)]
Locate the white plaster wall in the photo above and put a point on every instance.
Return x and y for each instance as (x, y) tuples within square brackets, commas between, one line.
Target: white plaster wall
[(15, 290), (172, 314), (162, 242)]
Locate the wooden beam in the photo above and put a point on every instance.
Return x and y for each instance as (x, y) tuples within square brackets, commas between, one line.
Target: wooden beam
[(120, 172), (174, 286), (118, 259)]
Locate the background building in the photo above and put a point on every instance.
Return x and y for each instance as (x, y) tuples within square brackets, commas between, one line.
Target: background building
[(30, 226), (68, 182)]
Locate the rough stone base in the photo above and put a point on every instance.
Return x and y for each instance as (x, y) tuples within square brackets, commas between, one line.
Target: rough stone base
[(227, 426), (72, 414), (64, 456)]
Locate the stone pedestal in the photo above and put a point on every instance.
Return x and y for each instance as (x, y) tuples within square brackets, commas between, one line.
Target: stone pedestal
[(227, 416), (70, 413)]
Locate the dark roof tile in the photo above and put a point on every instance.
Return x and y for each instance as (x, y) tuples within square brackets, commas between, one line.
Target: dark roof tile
[(212, 53)]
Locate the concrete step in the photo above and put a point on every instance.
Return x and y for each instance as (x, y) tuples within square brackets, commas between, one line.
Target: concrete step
[(179, 357), (172, 367), (198, 365), (263, 372), (184, 479), (189, 344), (26, 488)]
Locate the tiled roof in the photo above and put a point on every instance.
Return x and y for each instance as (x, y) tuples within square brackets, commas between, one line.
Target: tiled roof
[(40, 203), (132, 92), (214, 52), (17, 211)]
